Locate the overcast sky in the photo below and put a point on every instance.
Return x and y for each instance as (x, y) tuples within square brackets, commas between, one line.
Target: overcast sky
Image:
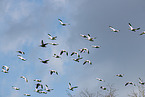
[(24, 23)]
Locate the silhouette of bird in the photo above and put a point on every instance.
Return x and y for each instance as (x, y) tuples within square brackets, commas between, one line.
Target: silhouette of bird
[(21, 52), (53, 71), (5, 71), (129, 83), (77, 60), (43, 61), (120, 75), (63, 24), (52, 38), (100, 79), (37, 80), (6, 68), (62, 51), (56, 56), (142, 33), (43, 44), (83, 50), (71, 88), (90, 38), (103, 88), (85, 36), (75, 53), (133, 29), (113, 29), (141, 82), (39, 85), (20, 57), (26, 80), (53, 44), (47, 89), (88, 62), (16, 88), (94, 46), (27, 94)]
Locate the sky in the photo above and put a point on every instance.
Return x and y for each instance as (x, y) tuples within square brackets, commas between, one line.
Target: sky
[(24, 23)]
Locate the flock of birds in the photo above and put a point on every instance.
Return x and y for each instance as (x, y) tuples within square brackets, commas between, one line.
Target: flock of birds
[(39, 87)]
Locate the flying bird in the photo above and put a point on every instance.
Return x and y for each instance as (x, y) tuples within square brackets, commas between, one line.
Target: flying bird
[(16, 88), (39, 85), (53, 71), (37, 80), (5, 71), (6, 68), (26, 80), (75, 53), (77, 60), (142, 33), (43, 44), (21, 52), (88, 62), (53, 44), (133, 29), (62, 51), (56, 56), (141, 82), (43, 61), (90, 38), (100, 79), (85, 36), (94, 46), (71, 88), (63, 24), (20, 57), (103, 88), (83, 50), (27, 94), (131, 83), (52, 38), (113, 29), (120, 75), (47, 89)]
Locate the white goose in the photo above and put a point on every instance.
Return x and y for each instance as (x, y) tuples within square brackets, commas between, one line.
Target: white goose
[(133, 29), (71, 88), (113, 29), (23, 77), (63, 24), (52, 38)]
